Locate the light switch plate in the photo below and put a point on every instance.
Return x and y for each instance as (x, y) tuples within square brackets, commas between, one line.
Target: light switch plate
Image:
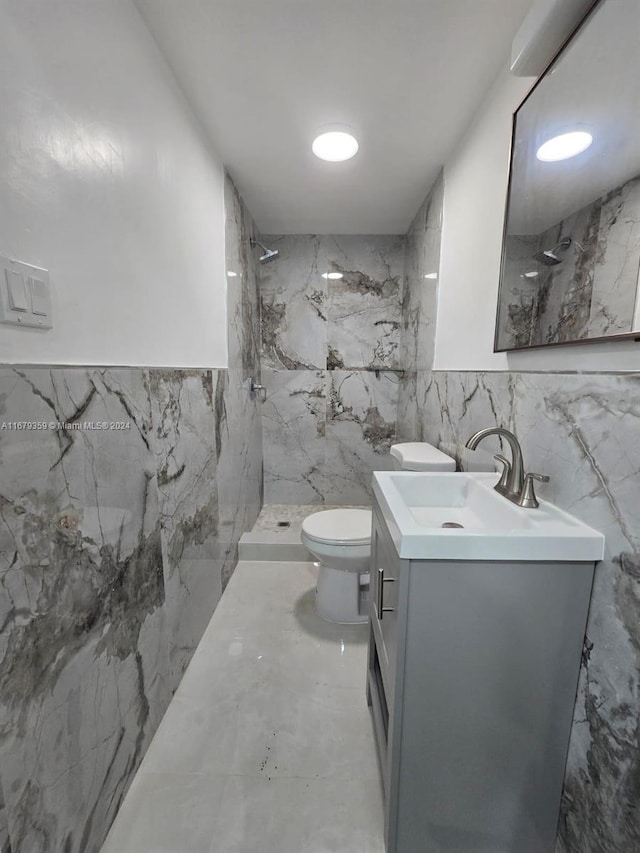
[(16, 291), (37, 291)]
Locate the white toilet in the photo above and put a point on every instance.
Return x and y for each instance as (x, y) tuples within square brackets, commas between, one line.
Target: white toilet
[(340, 539)]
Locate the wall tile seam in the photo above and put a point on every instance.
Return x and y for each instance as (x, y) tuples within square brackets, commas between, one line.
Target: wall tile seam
[(10, 365), (626, 373)]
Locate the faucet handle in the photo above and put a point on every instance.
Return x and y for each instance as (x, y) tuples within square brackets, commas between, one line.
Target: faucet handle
[(501, 485), (527, 497)]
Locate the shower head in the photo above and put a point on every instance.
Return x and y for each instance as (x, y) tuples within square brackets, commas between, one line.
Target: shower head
[(269, 254), (549, 257)]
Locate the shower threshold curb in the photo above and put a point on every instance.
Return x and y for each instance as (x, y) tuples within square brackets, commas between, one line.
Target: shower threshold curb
[(264, 545)]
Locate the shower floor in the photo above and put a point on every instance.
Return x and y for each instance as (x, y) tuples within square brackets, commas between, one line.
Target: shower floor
[(279, 518), (276, 533)]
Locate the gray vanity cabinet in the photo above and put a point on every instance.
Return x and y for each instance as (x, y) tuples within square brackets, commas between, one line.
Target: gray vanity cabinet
[(472, 676)]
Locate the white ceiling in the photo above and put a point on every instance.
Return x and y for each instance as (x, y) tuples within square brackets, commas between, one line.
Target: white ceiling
[(264, 76)]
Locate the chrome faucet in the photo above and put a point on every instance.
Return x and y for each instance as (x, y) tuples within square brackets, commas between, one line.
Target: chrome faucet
[(512, 480), (513, 484)]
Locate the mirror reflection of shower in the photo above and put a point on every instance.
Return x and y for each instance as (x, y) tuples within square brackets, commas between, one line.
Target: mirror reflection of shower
[(269, 254), (549, 257)]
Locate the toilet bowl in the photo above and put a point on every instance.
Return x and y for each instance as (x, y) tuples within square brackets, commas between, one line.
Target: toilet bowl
[(340, 539)]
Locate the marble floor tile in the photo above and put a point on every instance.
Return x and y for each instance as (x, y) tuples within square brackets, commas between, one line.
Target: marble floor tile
[(300, 816), (167, 813), (268, 743), (292, 731), (175, 813)]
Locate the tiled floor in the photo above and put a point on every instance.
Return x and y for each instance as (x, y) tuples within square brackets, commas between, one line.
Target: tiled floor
[(267, 746)]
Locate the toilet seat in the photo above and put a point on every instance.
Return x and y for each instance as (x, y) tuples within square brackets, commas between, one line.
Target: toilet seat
[(339, 527)]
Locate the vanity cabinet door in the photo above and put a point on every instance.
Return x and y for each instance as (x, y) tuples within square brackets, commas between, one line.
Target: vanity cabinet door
[(385, 575)]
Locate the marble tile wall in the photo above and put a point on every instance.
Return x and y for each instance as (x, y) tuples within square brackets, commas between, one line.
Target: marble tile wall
[(84, 672), (325, 432), (331, 365), (238, 414), (115, 546), (582, 430), (111, 563), (5, 845), (183, 416), (419, 303), (420, 296)]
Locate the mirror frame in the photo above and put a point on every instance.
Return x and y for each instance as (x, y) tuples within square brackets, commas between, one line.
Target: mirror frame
[(625, 336)]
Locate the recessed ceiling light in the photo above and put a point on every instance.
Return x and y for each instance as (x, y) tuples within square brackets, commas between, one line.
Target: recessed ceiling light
[(564, 146), (332, 275), (431, 275), (335, 145), (231, 274)]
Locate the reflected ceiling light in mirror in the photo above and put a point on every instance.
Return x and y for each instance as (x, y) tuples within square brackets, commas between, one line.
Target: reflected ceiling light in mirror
[(431, 275), (531, 274), (334, 276), (232, 274), (564, 146), (335, 145)]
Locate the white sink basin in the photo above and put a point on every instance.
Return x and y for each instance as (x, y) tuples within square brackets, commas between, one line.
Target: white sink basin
[(415, 505)]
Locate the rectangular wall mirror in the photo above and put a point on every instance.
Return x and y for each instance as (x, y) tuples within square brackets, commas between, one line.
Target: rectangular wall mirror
[(571, 248)]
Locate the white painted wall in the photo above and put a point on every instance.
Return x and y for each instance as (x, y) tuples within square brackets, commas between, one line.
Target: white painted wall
[(475, 180), (107, 181)]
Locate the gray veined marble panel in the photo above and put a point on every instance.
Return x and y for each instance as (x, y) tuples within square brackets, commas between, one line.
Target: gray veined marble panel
[(408, 416), (237, 415), (182, 406), (420, 294), (309, 322), (243, 297), (293, 304), (592, 291), (363, 307), (83, 642), (521, 293), (564, 303), (294, 424), (615, 276), (452, 406), (419, 305), (238, 437), (361, 426), (583, 432), (5, 845)]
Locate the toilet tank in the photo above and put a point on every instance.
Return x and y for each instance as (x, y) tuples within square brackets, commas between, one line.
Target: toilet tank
[(420, 456)]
